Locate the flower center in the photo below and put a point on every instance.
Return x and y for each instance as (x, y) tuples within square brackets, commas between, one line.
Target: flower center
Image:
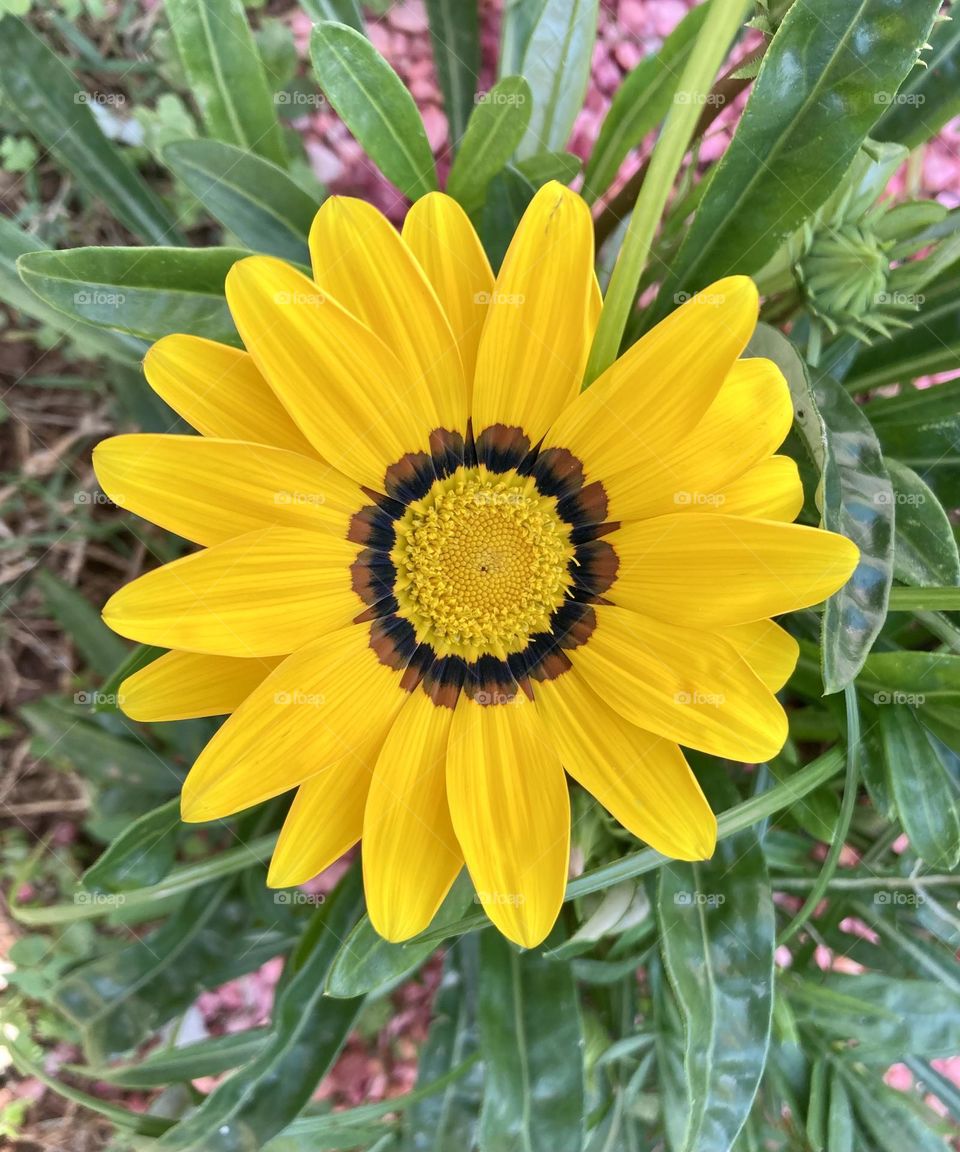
[(482, 563)]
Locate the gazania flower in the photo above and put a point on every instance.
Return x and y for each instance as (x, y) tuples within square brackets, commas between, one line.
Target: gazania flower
[(435, 574)]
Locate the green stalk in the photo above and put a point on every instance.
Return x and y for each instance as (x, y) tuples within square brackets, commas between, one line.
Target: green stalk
[(924, 599), (696, 81)]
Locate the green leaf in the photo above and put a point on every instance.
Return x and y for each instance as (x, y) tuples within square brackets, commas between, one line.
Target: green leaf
[(100, 648), (639, 104), (372, 101), (518, 21), (920, 777), (448, 1119), (306, 1035), (855, 497), (254, 199), (55, 108), (814, 101), (90, 340), (142, 854), (225, 75), (891, 1120), (369, 965), (556, 64), (926, 550), (531, 1041), (916, 405), (840, 1126), (508, 195), (342, 11), (455, 36), (496, 127), (145, 292), (717, 938), (930, 95), (180, 1065), (543, 167)]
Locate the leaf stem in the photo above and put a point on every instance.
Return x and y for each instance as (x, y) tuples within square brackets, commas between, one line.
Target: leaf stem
[(924, 600)]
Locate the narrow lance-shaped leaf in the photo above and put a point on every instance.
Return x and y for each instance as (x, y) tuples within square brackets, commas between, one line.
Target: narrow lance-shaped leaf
[(496, 127), (147, 292), (342, 11), (930, 95), (855, 498), (254, 199), (55, 108), (531, 1042), (925, 554), (142, 854), (817, 94), (372, 101), (226, 76), (717, 937), (98, 647), (455, 35), (519, 20)]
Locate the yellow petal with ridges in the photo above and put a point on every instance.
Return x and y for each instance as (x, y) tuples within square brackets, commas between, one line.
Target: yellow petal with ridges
[(659, 389), (769, 650), (641, 779), (360, 259), (684, 684), (441, 237), (770, 490), (219, 391), (533, 348), (262, 594), (345, 389), (185, 685), (209, 490), (331, 702), (714, 570), (511, 813), (410, 852)]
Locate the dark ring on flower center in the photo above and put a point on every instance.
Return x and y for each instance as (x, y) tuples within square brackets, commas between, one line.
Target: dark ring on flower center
[(592, 569)]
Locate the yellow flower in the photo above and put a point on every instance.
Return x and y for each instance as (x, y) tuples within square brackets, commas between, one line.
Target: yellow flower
[(434, 574)]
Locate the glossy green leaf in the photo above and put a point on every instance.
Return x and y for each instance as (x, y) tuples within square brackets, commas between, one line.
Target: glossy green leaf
[(55, 107), (368, 965), (925, 551), (455, 36), (717, 938), (930, 450), (142, 854), (543, 167), (448, 1119), (495, 129), (639, 104), (855, 498), (180, 1065), (145, 292), (372, 101), (342, 11), (98, 647), (920, 778), (90, 340), (306, 1034), (518, 21), (556, 65), (532, 1047), (508, 195), (816, 96), (254, 199), (930, 95), (225, 74)]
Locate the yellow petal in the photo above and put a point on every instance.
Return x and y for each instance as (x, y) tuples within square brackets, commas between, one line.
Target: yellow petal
[(209, 491), (658, 391), (184, 685), (641, 779), (341, 384), (330, 702), (324, 821), (533, 348), (771, 490), (410, 853), (441, 237), (359, 258), (747, 420), (769, 650), (714, 570), (681, 683), (219, 391), (263, 594), (511, 812)]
